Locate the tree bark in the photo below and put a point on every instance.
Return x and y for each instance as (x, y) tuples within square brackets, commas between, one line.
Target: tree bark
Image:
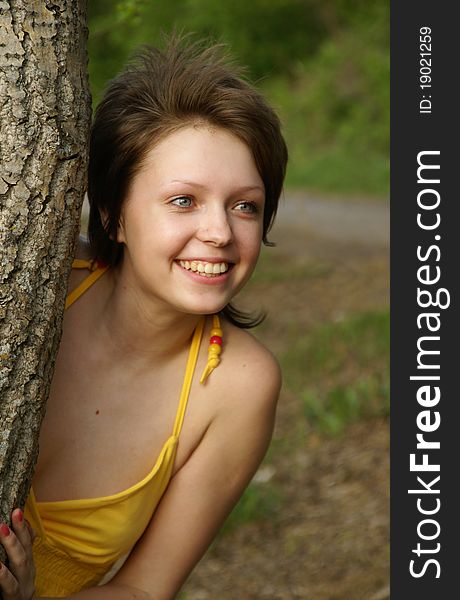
[(45, 113)]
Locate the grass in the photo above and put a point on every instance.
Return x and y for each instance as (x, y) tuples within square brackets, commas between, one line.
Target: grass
[(341, 371), (360, 340), (260, 501), (330, 412)]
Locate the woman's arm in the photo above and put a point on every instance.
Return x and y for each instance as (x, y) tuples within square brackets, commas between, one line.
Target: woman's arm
[(107, 592), (203, 492)]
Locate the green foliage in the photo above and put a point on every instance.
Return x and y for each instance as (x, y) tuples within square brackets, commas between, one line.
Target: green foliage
[(336, 170), (336, 111), (116, 29), (267, 35), (323, 63), (129, 12)]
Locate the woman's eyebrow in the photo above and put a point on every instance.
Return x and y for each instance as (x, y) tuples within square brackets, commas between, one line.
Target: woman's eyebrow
[(242, 189)]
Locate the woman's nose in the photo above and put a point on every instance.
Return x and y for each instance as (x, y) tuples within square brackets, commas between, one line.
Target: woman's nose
[(215, 228)]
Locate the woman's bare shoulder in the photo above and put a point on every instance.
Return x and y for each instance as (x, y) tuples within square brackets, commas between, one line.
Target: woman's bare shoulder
[(248, 367), (244, 347)]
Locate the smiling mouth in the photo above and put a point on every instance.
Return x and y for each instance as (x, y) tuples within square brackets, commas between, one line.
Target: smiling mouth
[(205, 269)]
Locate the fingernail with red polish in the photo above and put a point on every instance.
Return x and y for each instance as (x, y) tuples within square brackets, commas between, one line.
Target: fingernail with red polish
[(5, 530), (20, 516)]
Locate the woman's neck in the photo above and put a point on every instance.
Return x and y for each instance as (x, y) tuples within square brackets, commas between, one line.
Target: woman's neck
[(137, 328)]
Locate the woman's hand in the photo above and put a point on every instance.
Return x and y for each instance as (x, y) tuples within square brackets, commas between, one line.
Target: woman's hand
[(17, 581)]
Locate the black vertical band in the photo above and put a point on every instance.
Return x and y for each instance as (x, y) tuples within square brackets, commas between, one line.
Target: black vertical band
[(425, 273)]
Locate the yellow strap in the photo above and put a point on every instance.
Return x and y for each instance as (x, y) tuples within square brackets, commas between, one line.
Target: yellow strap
[(81, 263), (213, 350), (87, 282), (189, 370)]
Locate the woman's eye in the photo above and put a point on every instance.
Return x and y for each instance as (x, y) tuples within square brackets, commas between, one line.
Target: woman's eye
[(247, 207), (182, 202)]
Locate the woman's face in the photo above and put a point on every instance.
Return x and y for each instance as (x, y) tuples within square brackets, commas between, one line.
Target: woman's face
[(192, 221)]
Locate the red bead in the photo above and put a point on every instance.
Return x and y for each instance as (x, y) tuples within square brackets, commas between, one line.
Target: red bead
[(216, 339)]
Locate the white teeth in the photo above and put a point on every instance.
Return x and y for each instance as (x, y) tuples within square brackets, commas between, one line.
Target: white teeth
[(204, 268)]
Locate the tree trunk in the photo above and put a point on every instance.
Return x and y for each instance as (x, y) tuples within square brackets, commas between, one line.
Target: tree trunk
[(44, 122)]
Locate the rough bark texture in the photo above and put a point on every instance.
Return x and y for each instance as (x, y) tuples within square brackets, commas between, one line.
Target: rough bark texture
[(44, 121)]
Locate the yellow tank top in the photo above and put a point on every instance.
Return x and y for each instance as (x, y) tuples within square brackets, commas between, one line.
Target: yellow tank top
[(79, 541)]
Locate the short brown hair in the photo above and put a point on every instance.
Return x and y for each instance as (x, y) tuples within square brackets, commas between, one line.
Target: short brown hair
[(159, 92)]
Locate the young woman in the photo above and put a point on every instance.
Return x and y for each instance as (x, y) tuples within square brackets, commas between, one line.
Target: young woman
[(162, 405)]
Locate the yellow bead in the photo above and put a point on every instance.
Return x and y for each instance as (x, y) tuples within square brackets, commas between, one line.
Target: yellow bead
[(214, 349), (216, 331)]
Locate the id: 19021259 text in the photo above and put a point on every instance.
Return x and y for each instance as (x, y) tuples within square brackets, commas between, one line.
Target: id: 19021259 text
[(425, 70)]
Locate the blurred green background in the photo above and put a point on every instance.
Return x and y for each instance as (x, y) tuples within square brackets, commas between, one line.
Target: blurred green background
[(324, 64)]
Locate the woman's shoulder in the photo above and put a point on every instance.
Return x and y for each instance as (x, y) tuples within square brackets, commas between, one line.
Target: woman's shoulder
[(249, 367), (244, 347), (244, 392)]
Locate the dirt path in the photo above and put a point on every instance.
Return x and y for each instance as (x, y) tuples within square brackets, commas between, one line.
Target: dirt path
[(329, 537), (360, 222)]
